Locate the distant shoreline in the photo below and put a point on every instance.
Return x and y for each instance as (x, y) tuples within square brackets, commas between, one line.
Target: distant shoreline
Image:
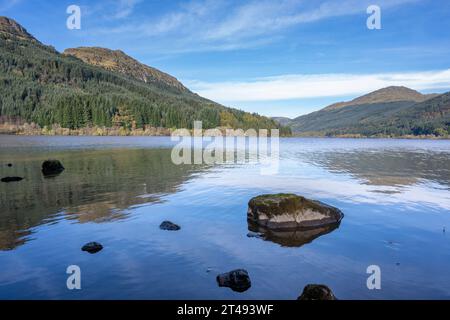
[(168, 136), (147, 131)]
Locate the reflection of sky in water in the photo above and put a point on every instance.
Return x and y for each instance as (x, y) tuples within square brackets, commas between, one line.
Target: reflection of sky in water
[(394, 219), (319, 183)]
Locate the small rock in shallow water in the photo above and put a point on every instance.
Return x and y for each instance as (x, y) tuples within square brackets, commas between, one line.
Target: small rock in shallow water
[(92, 247), (9, 164), (52, 167), (11, 179), (167, 225), (317, 292), (237, 280)]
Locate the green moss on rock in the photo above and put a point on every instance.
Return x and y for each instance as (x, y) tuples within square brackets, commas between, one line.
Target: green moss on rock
[(285, 210)]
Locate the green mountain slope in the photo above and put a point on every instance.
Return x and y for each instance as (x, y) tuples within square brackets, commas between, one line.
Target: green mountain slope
[(40, 85), (392, 111)]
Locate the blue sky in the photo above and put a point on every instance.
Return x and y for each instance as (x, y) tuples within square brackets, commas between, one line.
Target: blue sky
[(277, 58)]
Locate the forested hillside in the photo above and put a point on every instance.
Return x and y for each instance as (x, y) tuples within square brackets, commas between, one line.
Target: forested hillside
[(392, 111), (40, 85)]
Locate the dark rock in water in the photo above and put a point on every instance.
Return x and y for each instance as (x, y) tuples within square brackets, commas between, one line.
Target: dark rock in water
[(317, 292), (237, 280), (92, 247), (290, 237), (11, 179), (252, 234), (167, 225), (289, 211), (52, 168), (9, 164)]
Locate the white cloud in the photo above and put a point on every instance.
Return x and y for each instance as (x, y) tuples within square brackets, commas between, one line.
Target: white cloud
[(8, 4), (125, 8), (297, 86), (209, 24)]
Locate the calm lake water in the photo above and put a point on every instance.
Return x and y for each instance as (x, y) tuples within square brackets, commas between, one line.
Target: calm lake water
[(395, 195)]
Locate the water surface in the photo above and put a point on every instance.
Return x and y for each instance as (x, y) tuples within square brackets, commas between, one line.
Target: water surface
[(395, 195)]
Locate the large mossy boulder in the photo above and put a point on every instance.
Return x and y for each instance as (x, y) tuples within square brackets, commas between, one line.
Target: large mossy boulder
[(289, 211)]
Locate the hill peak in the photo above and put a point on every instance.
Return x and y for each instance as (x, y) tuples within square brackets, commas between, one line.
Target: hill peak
[(384, 95), (11, 28), (119, 61)]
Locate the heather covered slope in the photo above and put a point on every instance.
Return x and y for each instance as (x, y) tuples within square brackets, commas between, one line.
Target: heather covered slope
[(118, 61)]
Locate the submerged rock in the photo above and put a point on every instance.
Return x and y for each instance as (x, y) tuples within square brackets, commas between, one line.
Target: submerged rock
[(290, 211), (170, 226), (253, 234), (52, 168), (92, 247), (317, 292), (11, 179), (237, 280)]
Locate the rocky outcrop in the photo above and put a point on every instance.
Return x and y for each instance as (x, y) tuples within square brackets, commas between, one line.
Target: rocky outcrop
[(11, 28), (317, 292), (52, 168), (170, 226), (289, 211), (92, 247), (237, 280), (118, 61)]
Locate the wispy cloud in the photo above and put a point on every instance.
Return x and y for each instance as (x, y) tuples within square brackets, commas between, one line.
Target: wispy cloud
[(262, 16), (125, 8), (209, 24), (297, 86), (8, 4)]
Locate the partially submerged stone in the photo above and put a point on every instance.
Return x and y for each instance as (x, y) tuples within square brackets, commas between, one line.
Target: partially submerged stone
[(253, 234), (317, 292), (92, 247), (170, 226), (289, 211), (237, 280), (52, 168), (11, 179)]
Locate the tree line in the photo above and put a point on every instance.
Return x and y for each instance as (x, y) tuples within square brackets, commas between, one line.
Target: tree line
[(37, 84)]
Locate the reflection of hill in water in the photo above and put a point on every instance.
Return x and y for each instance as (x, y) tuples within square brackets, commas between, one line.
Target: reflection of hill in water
[(387, 168), (96, 186), (292, 238)]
